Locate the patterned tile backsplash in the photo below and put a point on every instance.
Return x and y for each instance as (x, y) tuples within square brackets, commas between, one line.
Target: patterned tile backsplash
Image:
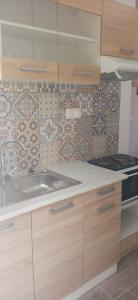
[(34, 113)]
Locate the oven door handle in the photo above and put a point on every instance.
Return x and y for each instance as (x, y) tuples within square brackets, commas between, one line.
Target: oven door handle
[(131, 175)]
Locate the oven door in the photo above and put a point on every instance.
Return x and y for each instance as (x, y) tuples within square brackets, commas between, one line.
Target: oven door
[(130, 186)]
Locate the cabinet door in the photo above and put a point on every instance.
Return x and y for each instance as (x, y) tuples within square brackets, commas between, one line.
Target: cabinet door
[(94, 6), (101, 235), (28, 52), (79, 45), (58, 249), (119, 30), (18, 11), (16, 271)]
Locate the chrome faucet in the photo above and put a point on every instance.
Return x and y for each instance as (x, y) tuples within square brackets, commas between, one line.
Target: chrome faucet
[(2, 158)]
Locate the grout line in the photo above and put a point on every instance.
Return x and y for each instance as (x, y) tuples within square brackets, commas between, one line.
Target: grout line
[(106, 293), (127, 290), (133, 295)]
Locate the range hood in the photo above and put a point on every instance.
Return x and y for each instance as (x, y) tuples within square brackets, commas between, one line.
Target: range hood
[(119, 69)]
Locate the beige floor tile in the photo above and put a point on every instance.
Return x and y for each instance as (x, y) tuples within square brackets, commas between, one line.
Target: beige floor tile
[(134, 290), (127, 296), (122, 281), (96, 294)]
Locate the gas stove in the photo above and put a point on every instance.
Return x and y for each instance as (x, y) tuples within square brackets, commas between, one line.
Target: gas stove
[(125, 164), (116, 162)]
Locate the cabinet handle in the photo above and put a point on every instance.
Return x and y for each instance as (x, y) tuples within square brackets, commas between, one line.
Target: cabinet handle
[(106, 191), (128, 50), (7, 228), (33, 69), (83, 73), (105, 208), (55, 211)]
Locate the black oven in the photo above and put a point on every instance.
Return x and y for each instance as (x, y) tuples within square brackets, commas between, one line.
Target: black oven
[(130, 186)]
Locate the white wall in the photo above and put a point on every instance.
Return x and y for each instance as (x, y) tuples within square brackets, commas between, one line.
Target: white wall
[(128, 2), (125, 110), (133, 147)]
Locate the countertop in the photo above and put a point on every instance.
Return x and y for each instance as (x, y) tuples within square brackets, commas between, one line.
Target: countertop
[(92, 177)]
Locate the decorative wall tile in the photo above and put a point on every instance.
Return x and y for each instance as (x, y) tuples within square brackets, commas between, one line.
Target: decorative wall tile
[(49, 154), (35, 114), (26, 104), (48, 130), (48, 105), (28, 134)]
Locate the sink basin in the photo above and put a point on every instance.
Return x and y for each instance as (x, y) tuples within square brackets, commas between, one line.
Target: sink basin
[(40, 183)]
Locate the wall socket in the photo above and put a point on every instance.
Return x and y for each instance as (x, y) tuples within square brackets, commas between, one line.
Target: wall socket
[(73, 113)]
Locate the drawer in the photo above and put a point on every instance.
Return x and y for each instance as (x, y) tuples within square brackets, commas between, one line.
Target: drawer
[(129, 244), (101, 193), (27, 69)]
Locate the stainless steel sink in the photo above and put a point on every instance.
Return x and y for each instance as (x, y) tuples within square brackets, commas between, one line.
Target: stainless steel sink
[(39, 183)]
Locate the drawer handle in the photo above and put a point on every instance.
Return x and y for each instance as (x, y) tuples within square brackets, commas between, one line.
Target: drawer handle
[(83, 73), (7, 228), (33, 69), (128, 50), (55, 211), (107, 191), (105, 208)]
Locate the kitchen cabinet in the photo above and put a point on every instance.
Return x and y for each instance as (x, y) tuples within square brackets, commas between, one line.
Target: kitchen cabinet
[(94, 6), (129, 244), (30, 52), (102, 222), (18, 11), (79, 45), (16, 270), (58, 248), (60, 43), (119, 30)]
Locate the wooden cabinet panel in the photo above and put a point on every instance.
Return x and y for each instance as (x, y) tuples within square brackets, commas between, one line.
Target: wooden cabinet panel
[(102, 221), (16, 271), (94, 6), (58, 249), (101, 193), (119, 30), (129, 244), (26, 69), (78, 73)]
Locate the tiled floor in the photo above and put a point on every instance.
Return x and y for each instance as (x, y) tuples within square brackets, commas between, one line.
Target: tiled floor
[(121, 286)]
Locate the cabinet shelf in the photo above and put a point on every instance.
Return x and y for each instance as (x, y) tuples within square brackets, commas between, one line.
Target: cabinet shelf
[(129, 224), (16, 29)]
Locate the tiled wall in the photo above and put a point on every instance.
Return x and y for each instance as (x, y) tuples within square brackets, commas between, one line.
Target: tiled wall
[(34, 113)]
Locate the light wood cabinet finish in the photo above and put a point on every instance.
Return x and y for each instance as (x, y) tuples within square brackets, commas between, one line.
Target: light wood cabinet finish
[(58, 249), (129, 244), (94, 6), (119, 30), (103, 192), (78, 73), (26, 69), (16, 270), (102, 221)]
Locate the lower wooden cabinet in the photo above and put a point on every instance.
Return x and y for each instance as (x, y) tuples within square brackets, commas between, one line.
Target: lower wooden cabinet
[(58, 249), (102, 221), (129, 244), (16, 269)]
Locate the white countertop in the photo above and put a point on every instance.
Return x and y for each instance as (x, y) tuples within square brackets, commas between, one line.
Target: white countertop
[(91, 176)]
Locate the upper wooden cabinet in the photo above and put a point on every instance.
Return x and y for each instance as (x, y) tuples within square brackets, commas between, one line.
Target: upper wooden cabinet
[(94, 6), (55, 42), (79, 45), (31, 52), (119, 30), (19, 11)]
